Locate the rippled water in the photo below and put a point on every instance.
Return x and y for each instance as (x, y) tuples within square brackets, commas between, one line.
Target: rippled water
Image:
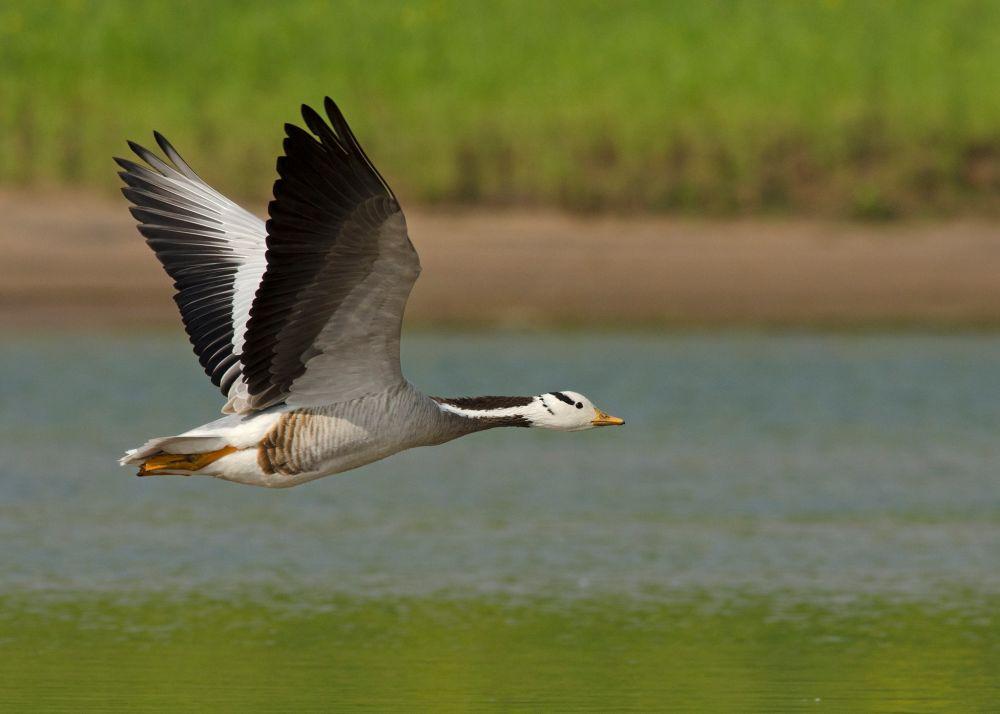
[(785, 523)]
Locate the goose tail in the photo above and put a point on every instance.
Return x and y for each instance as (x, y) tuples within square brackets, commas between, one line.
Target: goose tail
[(177, 455)]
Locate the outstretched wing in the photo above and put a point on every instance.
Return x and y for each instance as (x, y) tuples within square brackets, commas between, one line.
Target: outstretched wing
[(212, 248), (324, 326)]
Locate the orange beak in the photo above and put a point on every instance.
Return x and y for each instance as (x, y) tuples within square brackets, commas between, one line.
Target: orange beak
[(603, 419)]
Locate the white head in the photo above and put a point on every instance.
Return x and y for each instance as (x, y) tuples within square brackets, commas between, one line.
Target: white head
[(568, 411)]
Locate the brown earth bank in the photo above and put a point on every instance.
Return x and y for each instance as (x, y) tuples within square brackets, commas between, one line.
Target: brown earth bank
[(76, 261)]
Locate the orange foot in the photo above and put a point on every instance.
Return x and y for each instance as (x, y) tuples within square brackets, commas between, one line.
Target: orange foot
[(182, 462)]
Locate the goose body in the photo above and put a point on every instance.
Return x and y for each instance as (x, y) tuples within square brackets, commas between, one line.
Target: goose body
[(297, 321)]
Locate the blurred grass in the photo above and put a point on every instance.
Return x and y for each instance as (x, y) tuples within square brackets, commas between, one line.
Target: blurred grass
[(872, 109)]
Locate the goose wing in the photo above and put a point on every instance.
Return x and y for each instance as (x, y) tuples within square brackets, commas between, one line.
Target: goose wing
[(324, 326), (212, 248)]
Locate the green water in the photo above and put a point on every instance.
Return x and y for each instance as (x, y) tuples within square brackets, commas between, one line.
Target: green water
[(608, 654), (786, 523)]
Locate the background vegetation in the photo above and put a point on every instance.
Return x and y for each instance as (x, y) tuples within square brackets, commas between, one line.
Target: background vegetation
[(848, 108)]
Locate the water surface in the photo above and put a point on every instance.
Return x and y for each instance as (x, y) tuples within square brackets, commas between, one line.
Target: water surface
[(785, 523)]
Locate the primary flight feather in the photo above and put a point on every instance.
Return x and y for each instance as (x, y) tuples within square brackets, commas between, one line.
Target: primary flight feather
[(297, 321)]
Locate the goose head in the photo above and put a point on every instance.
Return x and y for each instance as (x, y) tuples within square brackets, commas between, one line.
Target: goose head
[(570, 411)]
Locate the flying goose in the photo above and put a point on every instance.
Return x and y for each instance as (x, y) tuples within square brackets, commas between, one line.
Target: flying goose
[(297, 320)]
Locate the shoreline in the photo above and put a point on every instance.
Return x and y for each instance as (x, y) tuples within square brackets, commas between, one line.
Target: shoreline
[(76, 260)]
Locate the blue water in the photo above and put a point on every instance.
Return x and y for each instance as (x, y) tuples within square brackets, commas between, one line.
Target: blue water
[(824, 463), (786, 522)]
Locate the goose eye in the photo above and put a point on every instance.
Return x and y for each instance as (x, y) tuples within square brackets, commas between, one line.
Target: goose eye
[(579, 405)]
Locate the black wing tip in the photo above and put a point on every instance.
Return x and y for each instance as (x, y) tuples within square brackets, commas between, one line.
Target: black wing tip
[(316, 122), (137, 214), (317, 125), (143, 153), (307, 113), (162, 142), (130, 166), (152, 160), (329, 105), (332, 110), (338, 122)]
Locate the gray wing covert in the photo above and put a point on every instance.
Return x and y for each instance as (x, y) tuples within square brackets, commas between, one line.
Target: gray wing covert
[(325, 323)]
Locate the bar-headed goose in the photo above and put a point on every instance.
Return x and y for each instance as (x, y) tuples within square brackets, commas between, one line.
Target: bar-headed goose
[(297, 321)]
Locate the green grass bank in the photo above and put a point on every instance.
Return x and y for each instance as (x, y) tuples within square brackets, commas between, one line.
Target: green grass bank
[(851, 108)]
